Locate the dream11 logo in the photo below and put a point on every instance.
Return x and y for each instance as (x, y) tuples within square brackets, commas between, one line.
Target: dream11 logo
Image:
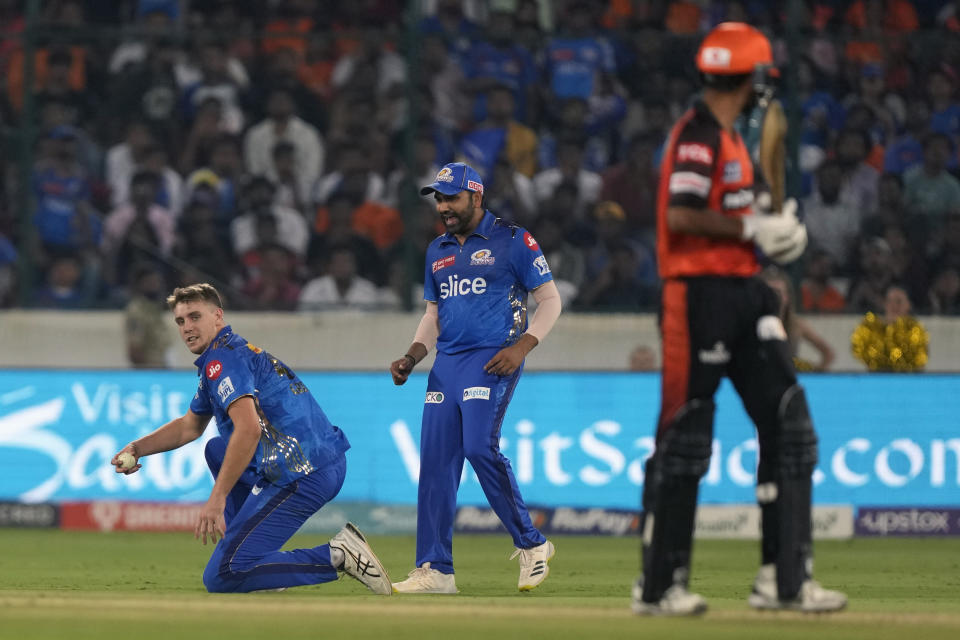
[(59, 430)]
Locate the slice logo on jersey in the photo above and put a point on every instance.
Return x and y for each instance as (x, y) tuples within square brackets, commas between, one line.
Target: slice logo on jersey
[(443, 263), (225, 389), (716, 57), (694, 152), (214, 369), (541, 264), (738, 199), (482, 257), (457, 286), (732, 172), (476, 393), (434, 397), (530, 241), (445, 175), (254, 348), (717, 355)]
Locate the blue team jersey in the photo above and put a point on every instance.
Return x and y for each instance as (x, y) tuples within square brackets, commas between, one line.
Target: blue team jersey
[(572, 65), (57, 200), (512, 66), (295, 435), (481, 287)]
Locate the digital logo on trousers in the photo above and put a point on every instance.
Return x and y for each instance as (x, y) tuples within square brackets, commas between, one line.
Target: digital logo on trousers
[(482, 257), (476, 393), (434, 397), (225, 389)]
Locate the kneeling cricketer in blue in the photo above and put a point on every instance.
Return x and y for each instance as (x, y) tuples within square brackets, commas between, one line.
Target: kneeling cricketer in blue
[(276, 461)]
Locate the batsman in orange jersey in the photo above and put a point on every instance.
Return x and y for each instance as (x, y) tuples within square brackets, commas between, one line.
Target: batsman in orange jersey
[(719, 319)]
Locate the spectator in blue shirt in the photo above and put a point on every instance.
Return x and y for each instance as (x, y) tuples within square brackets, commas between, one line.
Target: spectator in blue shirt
[(945, 118), (577, 57), (498, 61), (65, 286), (573, 121), (906, 150), (64, 217), (450, 22)]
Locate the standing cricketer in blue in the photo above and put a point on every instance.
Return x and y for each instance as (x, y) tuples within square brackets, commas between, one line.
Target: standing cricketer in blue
[(478, 275), (277, 461)]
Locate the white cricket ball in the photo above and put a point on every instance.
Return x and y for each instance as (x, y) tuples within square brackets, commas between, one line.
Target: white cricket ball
[(126, 460)]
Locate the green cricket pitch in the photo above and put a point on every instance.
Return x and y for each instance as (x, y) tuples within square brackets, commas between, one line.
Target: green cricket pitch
[(73, 585)]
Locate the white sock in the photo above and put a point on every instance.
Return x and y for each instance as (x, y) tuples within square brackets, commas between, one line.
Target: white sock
[(337, 558)]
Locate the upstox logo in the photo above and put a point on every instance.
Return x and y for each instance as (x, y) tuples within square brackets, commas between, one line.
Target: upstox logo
[(455, 286)]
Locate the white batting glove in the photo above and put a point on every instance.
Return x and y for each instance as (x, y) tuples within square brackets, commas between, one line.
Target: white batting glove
[(780, 236)]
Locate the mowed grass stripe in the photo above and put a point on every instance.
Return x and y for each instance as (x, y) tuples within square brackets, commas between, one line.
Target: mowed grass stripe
[(274, 604)]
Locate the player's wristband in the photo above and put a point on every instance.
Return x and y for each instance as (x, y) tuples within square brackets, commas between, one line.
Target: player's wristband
[(413, 361)]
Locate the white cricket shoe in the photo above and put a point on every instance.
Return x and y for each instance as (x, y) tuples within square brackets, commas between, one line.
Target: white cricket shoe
[(423, 579), (764, 593), (676, 601), (812, 598), (534, 565), (359, 561)]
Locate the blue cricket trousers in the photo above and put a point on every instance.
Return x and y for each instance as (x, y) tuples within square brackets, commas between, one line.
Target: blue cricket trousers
[(261, 517), (462, 416)]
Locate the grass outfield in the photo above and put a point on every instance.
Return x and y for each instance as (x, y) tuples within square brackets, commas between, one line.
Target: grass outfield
[(73, 586)]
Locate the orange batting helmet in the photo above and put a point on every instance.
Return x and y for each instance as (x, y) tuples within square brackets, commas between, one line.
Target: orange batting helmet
[(734, 48)]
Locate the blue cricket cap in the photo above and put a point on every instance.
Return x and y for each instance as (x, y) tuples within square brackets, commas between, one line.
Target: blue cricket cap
[(454, 178)]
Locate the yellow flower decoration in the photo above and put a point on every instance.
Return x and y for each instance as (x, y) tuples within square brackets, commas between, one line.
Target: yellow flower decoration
[(900, 346)]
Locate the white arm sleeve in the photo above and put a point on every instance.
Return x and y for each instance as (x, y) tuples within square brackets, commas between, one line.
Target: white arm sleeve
[(429, 328), (548, 310)]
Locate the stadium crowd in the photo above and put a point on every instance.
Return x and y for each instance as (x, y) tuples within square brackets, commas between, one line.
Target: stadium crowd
[(270, 147)]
